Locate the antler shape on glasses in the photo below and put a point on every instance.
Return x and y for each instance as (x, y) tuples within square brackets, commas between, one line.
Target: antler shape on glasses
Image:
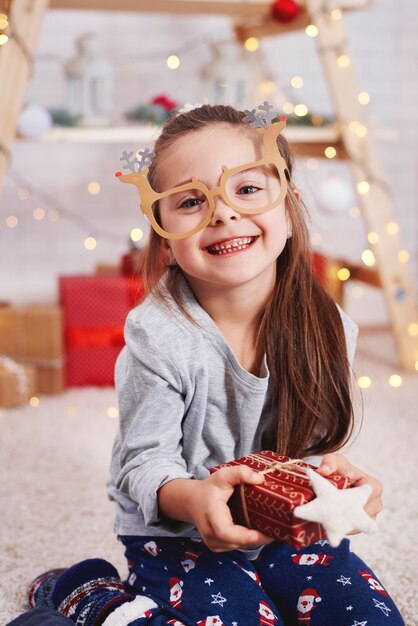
[(135, 164), (263, 119)]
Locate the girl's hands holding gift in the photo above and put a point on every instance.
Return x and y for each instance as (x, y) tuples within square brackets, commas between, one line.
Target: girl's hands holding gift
[(204, 504), (337, 463), (212, 516)]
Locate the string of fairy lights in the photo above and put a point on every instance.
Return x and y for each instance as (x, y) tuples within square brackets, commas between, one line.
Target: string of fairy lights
[(52, 211)]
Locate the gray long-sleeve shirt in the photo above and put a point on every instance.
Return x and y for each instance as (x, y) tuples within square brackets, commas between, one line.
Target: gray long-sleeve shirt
[(185, 405)]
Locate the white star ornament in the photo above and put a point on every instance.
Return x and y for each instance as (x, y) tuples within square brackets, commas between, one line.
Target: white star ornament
[(340, 511)]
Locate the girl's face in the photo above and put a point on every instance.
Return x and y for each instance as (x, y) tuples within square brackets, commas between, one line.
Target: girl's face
[(234, 248)]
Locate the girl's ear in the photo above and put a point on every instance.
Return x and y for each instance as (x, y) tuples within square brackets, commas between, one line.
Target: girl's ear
[(165, 247), (297, 194), (167, 251)]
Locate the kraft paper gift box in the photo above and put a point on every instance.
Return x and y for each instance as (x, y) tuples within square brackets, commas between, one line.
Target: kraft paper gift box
[(269, 507), (95, 309), (32, 334), (17, 383), (108, 269)]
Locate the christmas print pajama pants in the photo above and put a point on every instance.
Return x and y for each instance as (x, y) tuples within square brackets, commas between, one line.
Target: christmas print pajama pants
[(316, 586)]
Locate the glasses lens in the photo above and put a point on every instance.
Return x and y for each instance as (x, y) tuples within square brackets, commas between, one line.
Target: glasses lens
[(181, 211), (254, 189)]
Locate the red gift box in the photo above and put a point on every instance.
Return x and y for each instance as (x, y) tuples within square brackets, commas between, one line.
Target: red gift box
[(94, 312), (269, 507)]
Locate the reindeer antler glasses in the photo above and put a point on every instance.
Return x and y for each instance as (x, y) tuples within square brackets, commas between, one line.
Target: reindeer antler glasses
[(249, 189)]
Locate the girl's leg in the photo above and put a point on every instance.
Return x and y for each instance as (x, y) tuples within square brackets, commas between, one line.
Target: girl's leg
[(322, 585), (197, 586), (89, 593)]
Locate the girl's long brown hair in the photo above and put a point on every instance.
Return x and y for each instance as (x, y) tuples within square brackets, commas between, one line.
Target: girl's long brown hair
[(300, 330)]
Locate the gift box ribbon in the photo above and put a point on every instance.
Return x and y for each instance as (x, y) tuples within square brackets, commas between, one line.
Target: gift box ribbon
[(99, 336), (19, 371)]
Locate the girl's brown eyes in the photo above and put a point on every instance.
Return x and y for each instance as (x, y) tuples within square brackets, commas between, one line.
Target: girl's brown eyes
[(248, 189), (190, 203)]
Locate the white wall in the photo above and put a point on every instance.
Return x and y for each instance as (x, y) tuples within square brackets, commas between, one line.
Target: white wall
[(383, 45)]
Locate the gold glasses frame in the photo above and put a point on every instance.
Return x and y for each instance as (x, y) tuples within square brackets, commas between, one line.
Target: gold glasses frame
[(271, 156)]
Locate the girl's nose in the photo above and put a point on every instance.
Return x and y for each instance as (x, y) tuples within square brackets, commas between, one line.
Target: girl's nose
[(223, 213)]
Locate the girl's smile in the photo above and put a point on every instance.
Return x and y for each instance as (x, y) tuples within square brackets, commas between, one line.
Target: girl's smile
[(227, 247)]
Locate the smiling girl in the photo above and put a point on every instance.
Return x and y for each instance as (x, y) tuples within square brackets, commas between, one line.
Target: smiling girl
[(234, 349)]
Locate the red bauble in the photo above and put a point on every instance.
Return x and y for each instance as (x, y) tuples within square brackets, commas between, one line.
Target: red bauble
[(285, 10), (165, 102)]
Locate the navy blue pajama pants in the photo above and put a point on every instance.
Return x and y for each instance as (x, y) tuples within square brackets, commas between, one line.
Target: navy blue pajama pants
[(316, 586)]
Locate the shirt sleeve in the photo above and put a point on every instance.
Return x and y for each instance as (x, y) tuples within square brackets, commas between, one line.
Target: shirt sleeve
[(151, 411), (351, 334)]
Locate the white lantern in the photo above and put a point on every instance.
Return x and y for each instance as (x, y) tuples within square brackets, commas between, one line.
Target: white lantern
[(226, 77), (90, 83)]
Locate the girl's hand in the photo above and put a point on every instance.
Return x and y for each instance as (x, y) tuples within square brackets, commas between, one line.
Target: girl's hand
[(203, 503), (211, 515), (337, 463)]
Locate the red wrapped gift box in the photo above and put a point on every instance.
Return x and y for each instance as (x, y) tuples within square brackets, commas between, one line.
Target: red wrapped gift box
[(94, 310), (269, 507)]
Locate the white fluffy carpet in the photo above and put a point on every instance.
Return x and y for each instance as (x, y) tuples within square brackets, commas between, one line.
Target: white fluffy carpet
[(54, 510)]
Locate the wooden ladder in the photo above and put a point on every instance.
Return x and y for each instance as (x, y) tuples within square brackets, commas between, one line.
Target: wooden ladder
[(369, 180), (25, 21)]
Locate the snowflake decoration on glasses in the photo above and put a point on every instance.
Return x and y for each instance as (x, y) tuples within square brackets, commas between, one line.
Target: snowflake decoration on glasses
[(261, 119), (137, 161)]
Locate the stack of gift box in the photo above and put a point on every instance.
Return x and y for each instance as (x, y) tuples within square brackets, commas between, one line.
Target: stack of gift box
[(47, 347), (31, 352)]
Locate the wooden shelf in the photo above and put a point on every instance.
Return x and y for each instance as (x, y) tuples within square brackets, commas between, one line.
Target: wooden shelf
[(305, 141), (138, 134), (145, 133), (255, 8), (252, 18)]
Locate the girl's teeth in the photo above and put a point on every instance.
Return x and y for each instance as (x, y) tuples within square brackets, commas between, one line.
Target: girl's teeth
[(237, 244)]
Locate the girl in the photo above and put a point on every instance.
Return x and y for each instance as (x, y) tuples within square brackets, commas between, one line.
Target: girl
[(235, 349)]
